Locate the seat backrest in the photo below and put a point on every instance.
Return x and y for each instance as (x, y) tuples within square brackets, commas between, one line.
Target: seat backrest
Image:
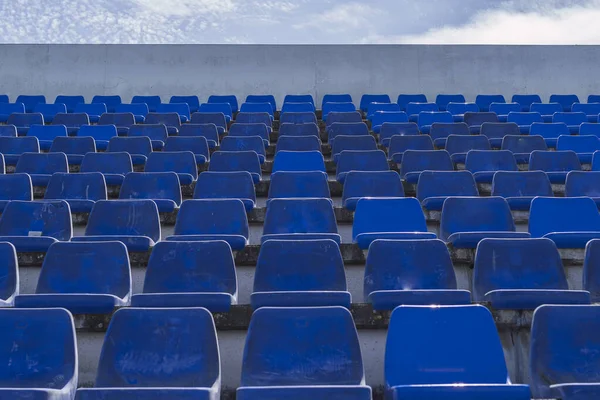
[(441, 130), (299, 161), (307, 129), (208, 131), (225, 185), (42, 163), (400, 144), (524, 118), (484, 101), (154, 132), (8, 131), (19, 145), (110, 101), (49, 110), (323, 335), (523, 144), (370, 160), (96, 109), (374, 107), (497, 130), (444, 184), (298, 143), (347, 129), (570, 118), (526, 100), (504, 108), (349, 142), (309, 215), (167, 118), (298, 107), (192, 102), (381, 117), (462, 108), (224, 108), (263, 107), (81, 186), (47, 132), (580, 183), (337, 107), (479, 118), (254, 118), (151, 101), (124, 217), (360, 184), (107, 163), (218, 119), (98, 132), (578, 144), (212, 217), (243, 143), (388, 215), (490, 160), (336, 98), (566, 100), (30, 101), (37, 218), (141, 145), (245, 130), (298, 118), (554, 161), (10, 108), (196, 144), (69, 101), (16, 187), (463, 144), (442, 100), (119, 119), (151, 185), (546, 108), (262, 98), (421, 160), (588, 109), (9, 273), (298, 184), (343, 116), (389, 129), (568, 214), (230, 98), (521, 183), (134, 108), (71, 120), (404, 99), (25, 120), (591, 269), (73, 145), (181, 162), (429, 118), (233, 161), (367, 99), (299, 98)]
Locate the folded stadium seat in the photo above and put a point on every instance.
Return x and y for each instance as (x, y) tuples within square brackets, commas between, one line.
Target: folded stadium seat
[(181, 162), (361, 184), (258, 108), (484, 101), (591, 280), (546, 110), (308, 129), (298, 143), (367, 99), (172, 120), (303, 273), (298, 118), (32, 226), (550, 132), (212, 219), (565, 100), (475, 120), (495, 131), (245, 143), (442, 100), (400, 144), (263, 98), (404, 99), (46, 134), (46, 338), (522, 146), (414, 109), (190, 274), (209, 131), (192, 101), (458, 110), (161, 187), (15, 187), (123, 121), (139, 111), (440, 131), (134, 222), (235, 161), (48, 111), (218, 119), (196, 144), (13, 147), (139, 148), (347, 128), (94, 111), (381, 117), (572, 119), (434, 187), (336, 98), (245, 130), (302, 338), (215, 108), (483, 164), (101, 134), (524, 120), (111, 102), (10, 275), (297, 107), (69, 101), (228, 98), (502, 110), (358, 143), (182, 109), (114, 166), (584, 146), (374, 107), (184, 336), (570, 222), (352, 160), (299, 161), (24, 121), (6, 109), (298, 98), (522, 274), (227, 185), (84, 278), (294, 184), (410, 272), (342, 116), (151, 101), (526, 100), (427, 119), (255, 118), (563, 361), (41, 166), (73, 121), (337, 108), (80, 190), (388, 218), (8, 131), (590, 109), (520, 188), (583, 184), (459, 145), (390, 129), (416, 161), (556, 164), (74, 147), (430, 354)]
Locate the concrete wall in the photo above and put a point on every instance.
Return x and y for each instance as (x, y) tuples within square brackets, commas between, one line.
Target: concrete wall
[(252, 69)]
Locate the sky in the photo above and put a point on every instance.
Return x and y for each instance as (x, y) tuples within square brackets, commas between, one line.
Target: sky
[(301, 21)]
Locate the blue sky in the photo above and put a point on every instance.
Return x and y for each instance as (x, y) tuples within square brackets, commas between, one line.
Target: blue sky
[(301, 21)]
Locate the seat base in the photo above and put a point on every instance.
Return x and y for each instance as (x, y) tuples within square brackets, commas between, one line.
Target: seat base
[(314, 298), (461, 392), (469, 240), (133, 243), (530, 299), (213, 302), (364, 240), (304, 392), (572, 240), (577, 391), (34, 394), (75, 303), (30, 244), (387, 300), (237, 242), (302, 236), (146, 394)]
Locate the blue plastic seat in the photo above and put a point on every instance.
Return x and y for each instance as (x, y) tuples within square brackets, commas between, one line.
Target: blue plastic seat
[(69, 101), (190, 274), (24, 122), (298, 98), (297, 107), (255, 118), (434, 187), (303, 273), (84, 278), (101, 134), (227, 185), (431, 354), (565, 100), (46, 134), (483, 164), (416, 161), (410, 272), (245, 143), (185, 336), (114, 166), (80, 190), (200, 119), (375, 107), (300, 219), (390, 129), (524, 120), (556, 164), (15, 187), (139, 147), (459, 145), (298, 161), (522, 146), (161, 187), (336, 98), (349, 142), (572, 119), (346, 129), (212, 219), (442, 100), (245, 130), (399, 144), (476, 119), (467, 220), (181, 162), (380, 118), (522, 274), (459, 109), (263, 107), (342, 116), (235, 161), (171, 120), (546, 110), (404, 99), (184, 110), (298, 118), (139, 111), (41, 166), (414, 109), (593, 98), (6, 109), (49, 111), (294, 184), (338, 108), (484, 101), (591, 263), (134, 222), (94, 111), (583, 184), (151, 101), (8, 131), (584, 146), (32, 226), (361, 184), (223, 108), (192, 102), (228, 98), (496, 131), (123, 121), (563, 362), (13, 147), (520, 188), (592, 110), (196, 144), (502, 110), (526, 100), (47, 339), (262, 98), (73, 121), (30, 101), (388, 218), (351, 160), (74, 147), (303, 341), (298, 143), (208, 131), (367, 99), (427, 119), (569, 222), (9, 278), (111, 102)]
